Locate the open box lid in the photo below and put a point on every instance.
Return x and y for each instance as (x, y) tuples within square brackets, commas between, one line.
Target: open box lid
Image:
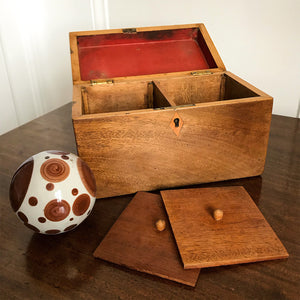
[(206, 238), (104, 55)]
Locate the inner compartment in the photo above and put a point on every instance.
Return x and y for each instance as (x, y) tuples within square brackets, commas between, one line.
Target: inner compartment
[(142, 53), (203, 88), (162, 93), (122, 96)]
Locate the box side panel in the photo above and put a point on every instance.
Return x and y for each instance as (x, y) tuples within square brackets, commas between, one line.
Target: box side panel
[(140, 152)]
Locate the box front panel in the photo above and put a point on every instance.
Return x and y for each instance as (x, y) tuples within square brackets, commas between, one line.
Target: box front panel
[(141, 152)]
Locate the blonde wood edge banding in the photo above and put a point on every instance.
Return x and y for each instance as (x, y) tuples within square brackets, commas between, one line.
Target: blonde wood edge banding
[(150, 77), (175, 108), (138, 29), (74, 57), (77, 102), (235, 262), (211, 47)]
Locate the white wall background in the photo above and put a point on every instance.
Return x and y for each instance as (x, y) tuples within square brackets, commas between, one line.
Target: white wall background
[(258, 40)]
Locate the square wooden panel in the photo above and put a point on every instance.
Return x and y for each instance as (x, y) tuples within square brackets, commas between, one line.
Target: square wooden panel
[(134, 242), (241, 236)]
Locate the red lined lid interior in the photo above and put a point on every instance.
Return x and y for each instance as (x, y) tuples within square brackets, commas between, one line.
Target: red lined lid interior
[(142, 53)]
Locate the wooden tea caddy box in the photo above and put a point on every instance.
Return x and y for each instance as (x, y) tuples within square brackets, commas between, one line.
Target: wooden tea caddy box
[(155, 108)]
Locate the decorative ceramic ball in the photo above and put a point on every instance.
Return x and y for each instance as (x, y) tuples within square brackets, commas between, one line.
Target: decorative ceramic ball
[(53, 192)]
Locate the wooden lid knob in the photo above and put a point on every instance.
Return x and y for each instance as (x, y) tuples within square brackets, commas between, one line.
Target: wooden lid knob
[(160, 225), (218, 214)]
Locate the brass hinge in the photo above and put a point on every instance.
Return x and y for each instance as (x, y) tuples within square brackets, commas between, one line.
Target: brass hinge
[(196, 73), (95, 82), (129, 30)]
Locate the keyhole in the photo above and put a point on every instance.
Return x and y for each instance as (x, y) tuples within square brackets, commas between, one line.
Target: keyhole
[(176, 122)]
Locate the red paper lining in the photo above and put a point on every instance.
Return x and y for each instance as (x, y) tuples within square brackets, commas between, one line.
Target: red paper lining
[(142, 53)]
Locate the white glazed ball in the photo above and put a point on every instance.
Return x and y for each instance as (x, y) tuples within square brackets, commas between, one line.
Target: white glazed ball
[(53, 192)]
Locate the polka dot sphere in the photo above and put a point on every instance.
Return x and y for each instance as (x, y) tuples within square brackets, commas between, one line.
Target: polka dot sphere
[(53, 192)]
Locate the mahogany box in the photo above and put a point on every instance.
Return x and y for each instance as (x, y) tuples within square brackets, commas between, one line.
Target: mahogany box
[(155, 108)]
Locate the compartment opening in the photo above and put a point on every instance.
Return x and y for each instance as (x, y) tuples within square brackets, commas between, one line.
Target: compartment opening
[(203, 88), (122, 97), (143, 53), (162, 93)]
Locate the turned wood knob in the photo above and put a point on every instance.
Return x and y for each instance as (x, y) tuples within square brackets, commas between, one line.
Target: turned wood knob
[(218, 214), (160, 225)]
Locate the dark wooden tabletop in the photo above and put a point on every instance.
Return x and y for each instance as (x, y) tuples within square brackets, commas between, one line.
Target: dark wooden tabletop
[(35, 266)]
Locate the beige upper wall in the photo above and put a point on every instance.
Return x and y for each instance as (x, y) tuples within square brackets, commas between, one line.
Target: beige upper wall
[(258, 40), (34, 56)]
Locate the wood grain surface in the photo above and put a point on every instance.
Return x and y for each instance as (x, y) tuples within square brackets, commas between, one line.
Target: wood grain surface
[(242, 236), (117, 97), (134, 242), (138, 151), (34, 266), (193, 89), (124, 131)]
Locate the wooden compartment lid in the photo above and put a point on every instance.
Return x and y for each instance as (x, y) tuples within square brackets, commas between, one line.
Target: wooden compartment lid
[(134, 242), (220, 226), (107, 54)]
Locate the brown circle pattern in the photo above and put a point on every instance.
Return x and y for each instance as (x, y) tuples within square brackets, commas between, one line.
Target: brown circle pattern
[(65, 157), (87, 177), (33, 201), (74, 192), (81, 204), (19, 184), (70, 227), (53, 231), (32, 227), (57, 210), (23, 217), (50, 186), (41, 219), (55, 170)]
